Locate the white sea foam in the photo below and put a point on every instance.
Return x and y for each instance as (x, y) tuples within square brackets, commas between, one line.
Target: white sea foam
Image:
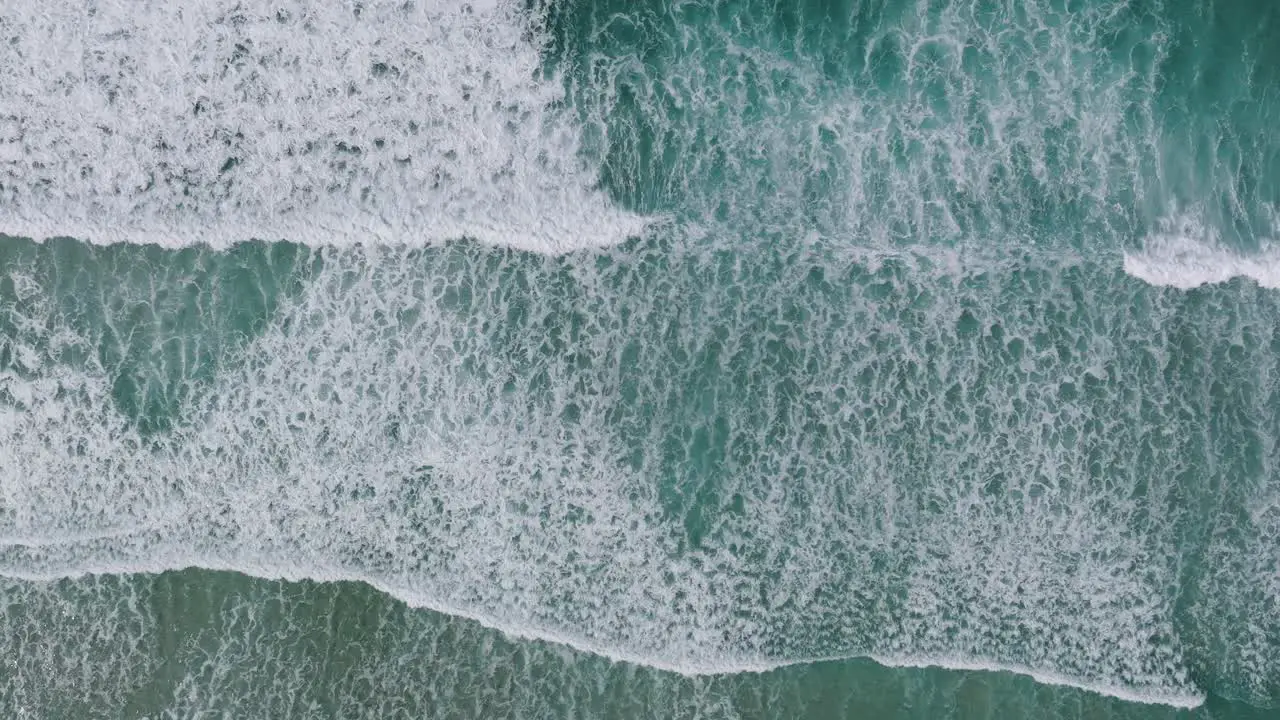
[(1184, 263), (217, 121), (1186, 253)]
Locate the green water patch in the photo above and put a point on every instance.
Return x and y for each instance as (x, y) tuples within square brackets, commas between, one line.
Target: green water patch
[(1218, 95)]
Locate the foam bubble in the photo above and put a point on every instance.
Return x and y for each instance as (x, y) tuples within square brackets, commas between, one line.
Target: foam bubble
[(219, 121)]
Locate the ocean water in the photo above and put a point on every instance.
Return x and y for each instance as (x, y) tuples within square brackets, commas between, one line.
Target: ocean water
[(644, 358)]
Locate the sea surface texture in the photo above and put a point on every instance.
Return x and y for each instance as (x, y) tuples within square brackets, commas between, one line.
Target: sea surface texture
[(640, 358)]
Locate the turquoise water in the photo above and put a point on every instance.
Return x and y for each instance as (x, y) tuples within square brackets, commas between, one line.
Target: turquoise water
[(644, 359)]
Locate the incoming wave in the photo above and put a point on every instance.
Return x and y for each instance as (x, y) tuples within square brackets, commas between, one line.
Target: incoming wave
[(1186, 253)]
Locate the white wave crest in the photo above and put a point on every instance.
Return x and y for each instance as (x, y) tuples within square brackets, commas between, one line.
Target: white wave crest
[(1185, 253)]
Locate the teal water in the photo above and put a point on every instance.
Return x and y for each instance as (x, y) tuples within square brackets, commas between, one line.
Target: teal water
[(644, 359)]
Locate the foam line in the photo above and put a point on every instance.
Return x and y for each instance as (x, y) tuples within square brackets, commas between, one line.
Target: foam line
[(1177, 700)]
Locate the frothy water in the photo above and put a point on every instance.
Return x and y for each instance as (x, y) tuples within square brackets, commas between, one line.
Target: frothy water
[(885, 489), (219, 121), (955, 345), (1185, 253)]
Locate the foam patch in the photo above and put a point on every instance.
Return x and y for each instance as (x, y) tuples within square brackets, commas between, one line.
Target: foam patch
[(217, 122)]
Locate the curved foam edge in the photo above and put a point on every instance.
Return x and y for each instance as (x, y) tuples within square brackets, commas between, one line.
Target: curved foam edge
[(1181, 262), (583, 644)]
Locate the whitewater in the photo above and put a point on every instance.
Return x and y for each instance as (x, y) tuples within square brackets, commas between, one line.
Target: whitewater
[(709, 338)]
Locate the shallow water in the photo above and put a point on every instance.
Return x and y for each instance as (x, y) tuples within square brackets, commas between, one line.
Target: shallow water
[(614, 360)]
